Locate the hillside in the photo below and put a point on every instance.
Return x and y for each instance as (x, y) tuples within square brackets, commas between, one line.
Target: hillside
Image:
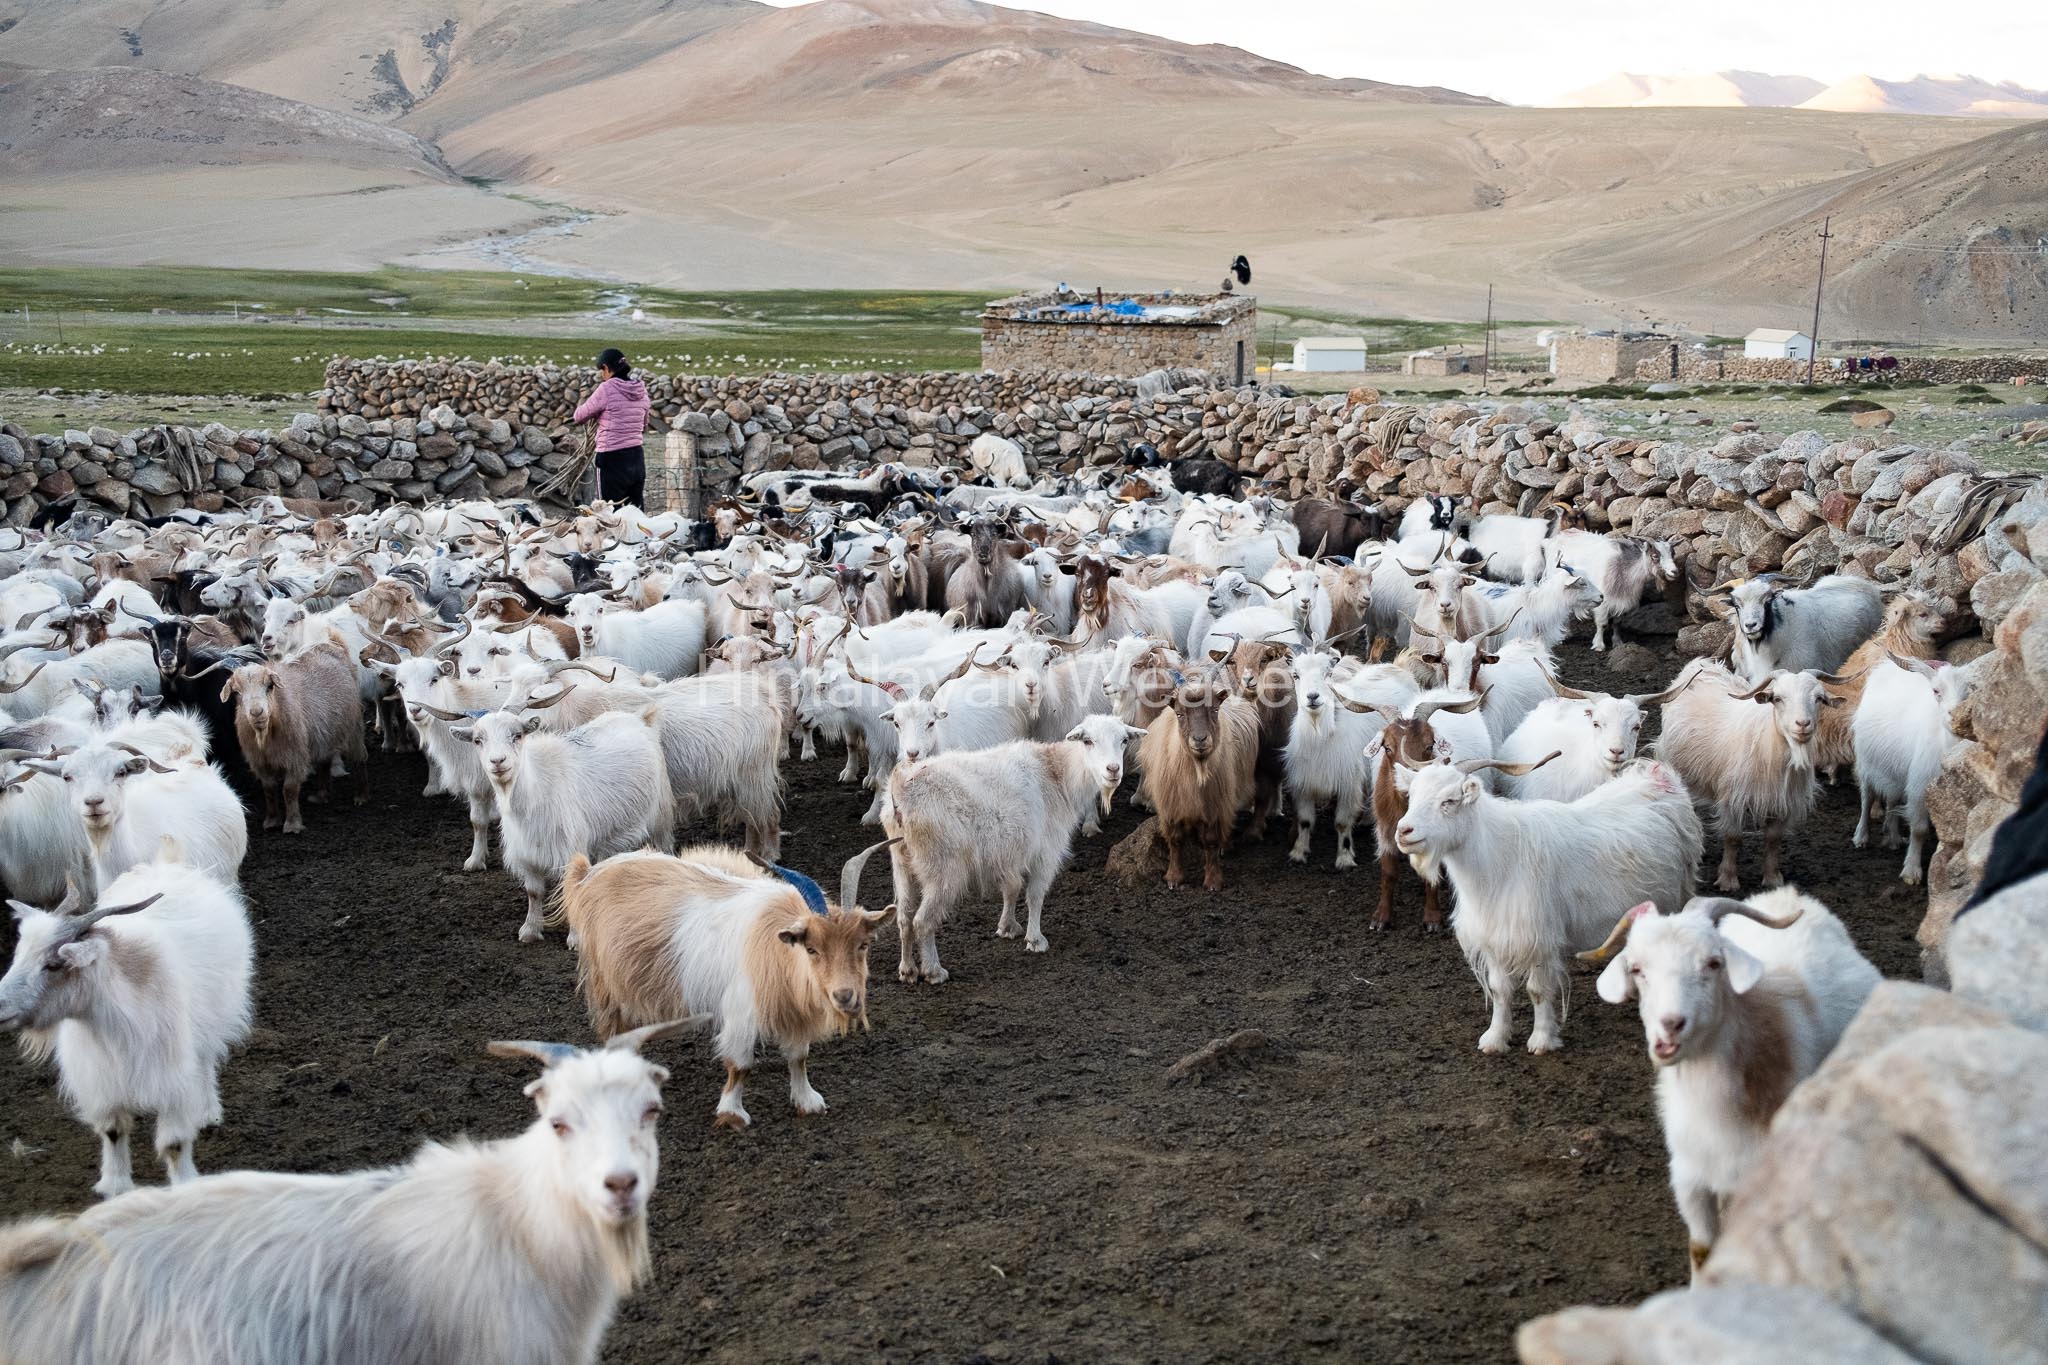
[(375, 58), (1891, 269), (1717, 90), (1963, 96), (103, 121)]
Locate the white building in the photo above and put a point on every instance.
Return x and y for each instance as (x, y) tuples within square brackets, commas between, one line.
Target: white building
[(1775, 343), (1329, 353)]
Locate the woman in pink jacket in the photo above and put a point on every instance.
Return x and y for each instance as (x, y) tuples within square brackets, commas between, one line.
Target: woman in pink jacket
[(620, 406)]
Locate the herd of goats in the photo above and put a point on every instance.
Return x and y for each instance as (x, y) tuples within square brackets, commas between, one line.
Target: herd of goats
[(989, 657)]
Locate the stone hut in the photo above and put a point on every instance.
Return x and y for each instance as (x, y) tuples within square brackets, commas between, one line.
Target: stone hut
[(1123, 334)]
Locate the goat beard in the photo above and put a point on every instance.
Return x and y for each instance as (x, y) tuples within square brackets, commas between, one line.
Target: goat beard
[(1426, 865)]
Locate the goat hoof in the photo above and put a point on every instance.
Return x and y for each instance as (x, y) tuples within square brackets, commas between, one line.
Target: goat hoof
[(1212, 883), (908, 975), (1300, 855), (1344, 863), (529, 934), (1036, 945), (1008, 931), (731, 1121), (1859, 841), (1911, 878), (295, 827), (1378, 926), (937, 976), (1493, 1043), (1544, 1043), (272, 824), (1728, 883)]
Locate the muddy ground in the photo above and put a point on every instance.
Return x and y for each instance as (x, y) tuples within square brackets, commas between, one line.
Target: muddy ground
[(1005, 1173)]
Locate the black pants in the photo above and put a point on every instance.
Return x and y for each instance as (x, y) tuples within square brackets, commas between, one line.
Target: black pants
[(622, 475)]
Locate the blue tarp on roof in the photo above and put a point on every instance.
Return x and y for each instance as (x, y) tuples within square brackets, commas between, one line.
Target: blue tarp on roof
[(1122, 308)]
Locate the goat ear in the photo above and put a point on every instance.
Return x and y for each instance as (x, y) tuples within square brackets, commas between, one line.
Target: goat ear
[(1745, 969), (1468, 791), (1441, 747), (1615, 984), (795, 933), (227, 689)]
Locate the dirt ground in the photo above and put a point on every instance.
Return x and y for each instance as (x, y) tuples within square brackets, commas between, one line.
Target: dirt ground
[(1005, 1173)]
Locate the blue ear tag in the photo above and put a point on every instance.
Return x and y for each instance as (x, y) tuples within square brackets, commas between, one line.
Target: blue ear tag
[(813, 894)]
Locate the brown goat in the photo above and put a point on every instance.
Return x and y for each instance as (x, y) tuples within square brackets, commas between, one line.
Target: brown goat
[(510, 610), (296, 716), (1411, 741), (740, 941), (1262, 672), (1911, 623), (1198, 759)]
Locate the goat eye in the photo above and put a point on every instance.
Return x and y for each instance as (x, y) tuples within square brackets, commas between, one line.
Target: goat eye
[(561, 1128), (812, 951), (1713, 964), (652, 1113)]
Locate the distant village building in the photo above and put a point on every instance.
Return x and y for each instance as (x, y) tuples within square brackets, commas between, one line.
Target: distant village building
[(1439, 361), (1605, 356), (1776, 343), (1329, 353), (1123, 334)]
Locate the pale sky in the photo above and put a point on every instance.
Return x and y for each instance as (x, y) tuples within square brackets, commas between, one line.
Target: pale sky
[(1529, 51)]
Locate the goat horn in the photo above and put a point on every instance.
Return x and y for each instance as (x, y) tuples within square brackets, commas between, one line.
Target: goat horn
[(1668, 694), (16, 687), (1838, 679), (536, 704), (1751, 693), (547, 1054), (438, 714), (849, 876), (1425, 709), (1719, 907), (80, 923), (1562, 690), (633, 1040), (1486, 635), (154, 766), (895, 690), (1618, 935), (460, 636), (1473, 765), (578, 666)]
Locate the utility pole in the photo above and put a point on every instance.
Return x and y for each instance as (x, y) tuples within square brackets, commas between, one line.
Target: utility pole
[(1813, 354), (1486, 360)]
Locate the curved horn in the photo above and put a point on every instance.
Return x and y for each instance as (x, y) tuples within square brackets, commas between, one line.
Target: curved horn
[(895, 690), (1563, 691), (1473, 765), (932, 689), (547, 1054), (439, 714), (94, 916), (456, 639), (1618, 935), (1425, 709), (635, 1039), (578, 666), (16, 687), (154, 766), (1718, 908), (1486, 635), (849, 876), (540, 703), (1667, 695), (1837, 679)]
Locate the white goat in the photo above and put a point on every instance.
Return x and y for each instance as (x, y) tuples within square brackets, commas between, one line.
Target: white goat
[(1594, 735), (947, 810), (1796, 629), (1542, 610), (139, 1000), (665, 639), (129, 799), (42, 842), (1540, 880), (1623, 568), (1747, 751), (1740, 1002), (1334, 724), (600, 789), (514, 1252), (1902, 731)]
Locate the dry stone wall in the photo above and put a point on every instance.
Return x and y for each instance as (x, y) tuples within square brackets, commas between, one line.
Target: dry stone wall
[(1698, 366)]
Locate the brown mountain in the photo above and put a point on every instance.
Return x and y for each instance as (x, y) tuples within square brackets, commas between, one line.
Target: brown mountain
[(105, 121), (1954, 241)]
